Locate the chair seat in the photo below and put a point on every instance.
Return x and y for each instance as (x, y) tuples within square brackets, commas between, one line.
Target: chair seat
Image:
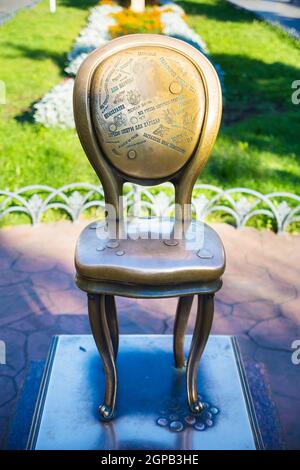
[(135, 258)]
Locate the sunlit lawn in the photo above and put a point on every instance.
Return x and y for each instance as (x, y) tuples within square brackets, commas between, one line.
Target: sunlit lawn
[(33, 49), (258, 145)]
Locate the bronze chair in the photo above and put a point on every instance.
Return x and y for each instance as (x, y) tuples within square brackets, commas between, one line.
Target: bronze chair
[(147, 110)]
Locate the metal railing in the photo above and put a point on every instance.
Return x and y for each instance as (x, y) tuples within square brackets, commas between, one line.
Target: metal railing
[(240, 206)]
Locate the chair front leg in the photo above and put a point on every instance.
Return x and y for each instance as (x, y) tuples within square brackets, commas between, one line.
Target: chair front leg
[(205, 313), (112, 321), (101, 333), (182, 315)]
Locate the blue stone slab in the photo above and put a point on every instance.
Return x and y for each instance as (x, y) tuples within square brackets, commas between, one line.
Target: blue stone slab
[(151, 409)]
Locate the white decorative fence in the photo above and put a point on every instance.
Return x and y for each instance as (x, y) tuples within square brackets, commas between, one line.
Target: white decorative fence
[(237, 205)]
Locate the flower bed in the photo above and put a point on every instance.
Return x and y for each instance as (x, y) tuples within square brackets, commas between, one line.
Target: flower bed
[(130, 22), (105, 22)]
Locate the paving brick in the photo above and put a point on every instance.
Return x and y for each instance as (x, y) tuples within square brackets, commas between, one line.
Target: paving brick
[(73, 324), (275, 333), (142, 321), (53, 280), (34, 322), (10, 277), (7, 388), (259, 302), (260, 310), (232, 326), (250, 288), (21, 305), (15, 289), (34, 264), (291, 310), (61, 302), (221, 308)]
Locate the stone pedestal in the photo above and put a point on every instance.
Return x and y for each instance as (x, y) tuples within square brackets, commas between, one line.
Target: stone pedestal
[(151, 409)]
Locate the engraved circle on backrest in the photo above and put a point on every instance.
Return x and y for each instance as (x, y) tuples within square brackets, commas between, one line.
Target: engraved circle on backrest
[(147, 106)]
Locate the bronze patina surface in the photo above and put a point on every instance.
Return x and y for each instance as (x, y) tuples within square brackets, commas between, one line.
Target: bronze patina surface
[(147, 109), (86, 112), (144, 257)]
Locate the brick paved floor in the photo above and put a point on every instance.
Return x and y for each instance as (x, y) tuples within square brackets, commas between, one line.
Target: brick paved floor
[(259, 302)]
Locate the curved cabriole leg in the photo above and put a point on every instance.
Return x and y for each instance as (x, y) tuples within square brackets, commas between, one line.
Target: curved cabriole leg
[(112, 321), (182, 315), (101, 333), (205, 313)]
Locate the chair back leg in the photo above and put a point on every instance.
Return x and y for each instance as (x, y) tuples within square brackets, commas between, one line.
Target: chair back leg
[(204, 319), (101, 332), (181, 319), (112, 321)]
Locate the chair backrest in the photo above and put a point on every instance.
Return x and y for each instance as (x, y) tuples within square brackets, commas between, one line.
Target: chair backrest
[(147, 109)]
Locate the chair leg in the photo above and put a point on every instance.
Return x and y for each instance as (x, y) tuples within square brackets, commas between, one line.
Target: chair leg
[(202, 329), (182, 315), (112, 321), (100, 330)]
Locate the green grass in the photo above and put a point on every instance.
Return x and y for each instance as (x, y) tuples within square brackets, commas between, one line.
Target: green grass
[(33, 50), (258, 145)]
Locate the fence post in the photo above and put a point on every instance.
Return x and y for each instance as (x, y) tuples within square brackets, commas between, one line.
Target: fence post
[(52, 6)]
